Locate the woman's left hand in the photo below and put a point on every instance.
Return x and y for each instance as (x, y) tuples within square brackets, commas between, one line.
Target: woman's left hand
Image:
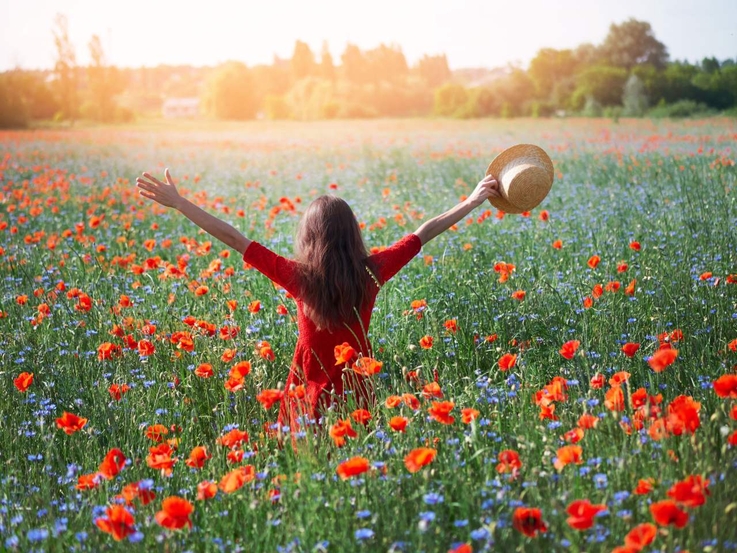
[(164, 193)]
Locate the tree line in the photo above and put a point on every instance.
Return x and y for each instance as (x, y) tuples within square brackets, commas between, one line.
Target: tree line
[(628, 74)]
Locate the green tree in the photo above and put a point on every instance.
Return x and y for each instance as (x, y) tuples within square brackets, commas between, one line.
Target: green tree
[(386, 63), (13, 109), (303, 61), (433, 70), (355, 67), (449, 100), (105, 82), (229, 92), (633, 43), (602, 83), (327, 68), (549, 67), (65, 70)]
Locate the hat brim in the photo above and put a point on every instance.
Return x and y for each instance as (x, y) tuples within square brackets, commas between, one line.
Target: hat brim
[(506, 157)]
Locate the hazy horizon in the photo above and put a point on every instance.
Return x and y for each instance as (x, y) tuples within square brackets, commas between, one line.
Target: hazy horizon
[(473, 33)]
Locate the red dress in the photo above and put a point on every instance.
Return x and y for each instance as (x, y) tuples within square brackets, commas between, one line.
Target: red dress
[(314, 359)]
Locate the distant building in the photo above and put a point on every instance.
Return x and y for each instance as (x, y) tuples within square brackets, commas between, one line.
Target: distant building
[(181, 107)]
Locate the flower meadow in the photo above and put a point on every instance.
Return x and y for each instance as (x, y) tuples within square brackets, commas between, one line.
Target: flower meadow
[(560, 380)]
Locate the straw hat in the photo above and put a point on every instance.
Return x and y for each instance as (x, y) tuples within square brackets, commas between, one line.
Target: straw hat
[(525, 176)]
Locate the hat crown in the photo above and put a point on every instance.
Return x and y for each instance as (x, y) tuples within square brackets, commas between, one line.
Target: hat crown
[(525, 176)]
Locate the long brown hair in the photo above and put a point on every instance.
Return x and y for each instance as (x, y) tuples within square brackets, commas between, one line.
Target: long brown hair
[(334, 261)]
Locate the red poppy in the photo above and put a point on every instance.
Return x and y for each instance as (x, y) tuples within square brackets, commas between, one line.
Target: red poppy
[(107, 350), (367, 366), (619, 378), (392, 401), (197, 457), (641, 536), (528, 521), (690, 492), (206, 490), (361, 416), (667, 513), (267, 398), (588, 303), (398, 424), (574, 435), (118, 522), (175, 512), (630, 348), (582, 513), (726, 386), (557, 244), (469, 414), (117, 391), (159, 458), (593, 261), (614, 399), (411, 401), (156, 432), (88, 481), (352, 467), (440, 411), (451, 325), (568, 454), (509, 461), (519, 295), (340, 430), (70, 423), (432, 389), (418, 458), (597, 381), (23, 381), (133, 491), (236, 479), (568, 350), (112, 464), (597, 291), (683, 415), (634, 245), (426, 342), (344, 353), (631, 287), (507, 361), (233, 438), (254, 306), (587, 421), (204, 370), (662, 359)]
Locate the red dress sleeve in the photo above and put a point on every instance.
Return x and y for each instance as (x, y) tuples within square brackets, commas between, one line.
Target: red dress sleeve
[(389, 261), (284, 272)]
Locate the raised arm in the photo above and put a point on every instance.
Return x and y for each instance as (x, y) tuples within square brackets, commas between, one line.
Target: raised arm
[(167, 195), (485, 189)]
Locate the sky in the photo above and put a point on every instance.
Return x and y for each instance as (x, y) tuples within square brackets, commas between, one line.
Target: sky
[(472, 33)]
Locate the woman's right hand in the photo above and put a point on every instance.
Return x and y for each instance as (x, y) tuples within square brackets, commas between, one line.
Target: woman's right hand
[(485, 189)]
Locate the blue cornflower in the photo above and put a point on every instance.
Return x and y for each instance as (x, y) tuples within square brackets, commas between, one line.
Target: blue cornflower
[(364, 534)]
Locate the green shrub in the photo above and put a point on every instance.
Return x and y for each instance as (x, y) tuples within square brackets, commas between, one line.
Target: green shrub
[(681, 108)]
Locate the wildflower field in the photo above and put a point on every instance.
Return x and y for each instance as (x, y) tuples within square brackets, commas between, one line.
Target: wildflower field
[(563, 380)]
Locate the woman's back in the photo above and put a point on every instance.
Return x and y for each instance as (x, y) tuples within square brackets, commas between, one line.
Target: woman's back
[(314, 365)]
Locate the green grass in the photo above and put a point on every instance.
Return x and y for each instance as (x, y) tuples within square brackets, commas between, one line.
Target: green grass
[(670, 186)]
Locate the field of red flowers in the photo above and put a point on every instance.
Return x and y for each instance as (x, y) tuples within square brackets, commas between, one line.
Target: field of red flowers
[(561, 380)]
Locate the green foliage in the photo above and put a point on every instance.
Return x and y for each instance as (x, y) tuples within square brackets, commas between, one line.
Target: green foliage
[(681, 108), (434, 70), (605, 84), (450, 99), (276, 107), (632, 43), (13, 109), (303, 62), (229, 93)]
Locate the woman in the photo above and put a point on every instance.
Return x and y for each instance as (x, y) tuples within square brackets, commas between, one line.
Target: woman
[(333, 280)]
